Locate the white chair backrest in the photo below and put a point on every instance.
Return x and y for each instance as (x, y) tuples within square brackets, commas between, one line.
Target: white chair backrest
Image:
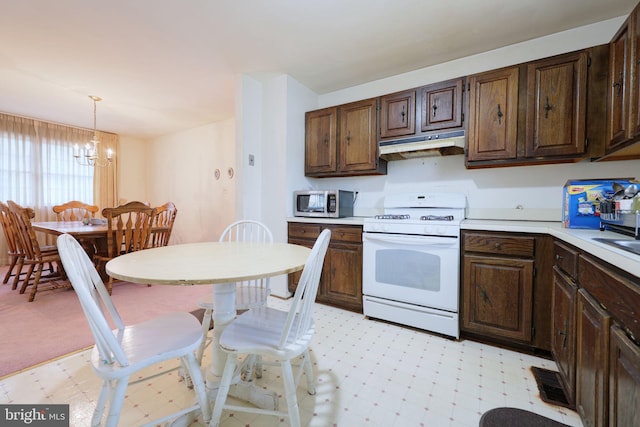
[(94, 299), (247, 230), (300, 320)]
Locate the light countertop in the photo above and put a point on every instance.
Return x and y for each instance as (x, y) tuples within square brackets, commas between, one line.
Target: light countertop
[(580, 238)]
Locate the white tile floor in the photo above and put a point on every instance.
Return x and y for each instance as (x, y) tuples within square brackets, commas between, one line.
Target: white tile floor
[(369, 373)]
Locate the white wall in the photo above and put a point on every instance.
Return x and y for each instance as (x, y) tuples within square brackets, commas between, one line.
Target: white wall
[(132, 166), (272, 108), (181, 168)]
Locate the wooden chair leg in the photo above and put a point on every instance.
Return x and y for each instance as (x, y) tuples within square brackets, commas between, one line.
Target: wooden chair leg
[(14, 260), (25, 283), (16, 278), (36, 280)]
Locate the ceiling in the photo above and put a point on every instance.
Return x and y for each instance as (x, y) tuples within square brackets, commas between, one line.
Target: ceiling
[(162, 66)]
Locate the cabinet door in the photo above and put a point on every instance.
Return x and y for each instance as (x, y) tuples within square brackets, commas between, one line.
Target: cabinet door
[(441, 106), (563, 329), (358, 146), (624, 380), (498, 297), (341, 282), (634, 78), (592, 361), (556, 106), (320, 141), (618, 99), (398, 114), (493, 115)]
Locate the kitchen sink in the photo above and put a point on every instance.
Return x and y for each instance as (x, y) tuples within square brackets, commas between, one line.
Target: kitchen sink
[(632, 246)]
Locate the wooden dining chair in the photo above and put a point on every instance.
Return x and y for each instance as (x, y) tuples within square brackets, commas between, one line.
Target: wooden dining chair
[(126, 351), (163, 225), (249, 294), (278, 335), (74, 211), (128, 230), (35, 256), (11, 237)]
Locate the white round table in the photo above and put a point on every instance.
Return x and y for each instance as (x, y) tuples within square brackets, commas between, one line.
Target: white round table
[(218, 263)]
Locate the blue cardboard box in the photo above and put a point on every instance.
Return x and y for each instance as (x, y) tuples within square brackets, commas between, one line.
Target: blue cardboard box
[(581, 200)]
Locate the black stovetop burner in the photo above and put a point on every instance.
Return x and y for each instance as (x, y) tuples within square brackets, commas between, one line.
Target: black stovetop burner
[(436, 218), (392, 216)]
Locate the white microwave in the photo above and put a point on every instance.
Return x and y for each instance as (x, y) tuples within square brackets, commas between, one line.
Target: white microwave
[(323, 203)]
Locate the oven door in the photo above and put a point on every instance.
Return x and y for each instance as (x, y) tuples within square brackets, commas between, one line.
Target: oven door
[(419, 270)]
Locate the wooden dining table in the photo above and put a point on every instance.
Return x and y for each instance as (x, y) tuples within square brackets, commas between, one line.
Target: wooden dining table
[(75, 228), (93, 237), (220, 264)]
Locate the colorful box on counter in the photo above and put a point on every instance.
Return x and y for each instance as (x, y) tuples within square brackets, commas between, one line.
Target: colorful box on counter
[(581, 200)]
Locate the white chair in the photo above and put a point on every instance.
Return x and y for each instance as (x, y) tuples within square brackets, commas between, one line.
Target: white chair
[(249, 294), (275, 334), (126, 350)]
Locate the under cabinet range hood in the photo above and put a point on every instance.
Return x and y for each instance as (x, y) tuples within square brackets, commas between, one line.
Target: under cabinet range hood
[(443, 144)]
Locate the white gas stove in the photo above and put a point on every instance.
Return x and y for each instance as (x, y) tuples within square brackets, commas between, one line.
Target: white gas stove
[(425, 214), (411, 261)]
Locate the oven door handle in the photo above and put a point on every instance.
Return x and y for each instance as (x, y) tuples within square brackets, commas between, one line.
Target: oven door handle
[(411, 240)]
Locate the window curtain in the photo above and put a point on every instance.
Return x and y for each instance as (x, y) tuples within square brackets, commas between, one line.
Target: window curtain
[(37, 168)]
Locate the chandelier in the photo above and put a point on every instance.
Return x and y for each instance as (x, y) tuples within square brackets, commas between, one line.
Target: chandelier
[(89, 155)]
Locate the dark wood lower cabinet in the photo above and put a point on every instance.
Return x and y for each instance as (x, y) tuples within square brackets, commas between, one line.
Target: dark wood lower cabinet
[(498, 296), (592, 361), (595, 317), (563, 329), (341, 279), (506, 289), (624, 380)]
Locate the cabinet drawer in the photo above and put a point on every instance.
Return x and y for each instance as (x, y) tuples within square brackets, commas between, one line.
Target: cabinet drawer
[(619, 295), (346, 234), (496, 244), (339, 233), (566, 259), (304, 231)]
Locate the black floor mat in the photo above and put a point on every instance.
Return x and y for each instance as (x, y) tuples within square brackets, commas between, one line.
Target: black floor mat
[(550, 387)]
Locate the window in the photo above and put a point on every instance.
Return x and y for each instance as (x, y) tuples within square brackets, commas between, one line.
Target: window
[(37, 168)]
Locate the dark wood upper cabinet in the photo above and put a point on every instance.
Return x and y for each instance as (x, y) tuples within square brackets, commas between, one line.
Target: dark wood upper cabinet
[(544, 111), (357, 141), (622, 139), (556, 106), (441, 105), (342, 141), (321, 133), (493, 115), (398, 114), (619, 89), (422, 111)]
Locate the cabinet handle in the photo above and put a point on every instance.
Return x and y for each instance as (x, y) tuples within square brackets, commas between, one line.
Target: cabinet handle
[(326, 140), (498, 246), (434, 108), (484, 296), (564, 335), (547, 108), (403, 114), (500, 115), (618, 84), (558, 257), (348, 137)]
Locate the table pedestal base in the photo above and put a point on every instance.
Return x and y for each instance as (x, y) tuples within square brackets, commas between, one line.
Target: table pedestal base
[(257, 396)]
